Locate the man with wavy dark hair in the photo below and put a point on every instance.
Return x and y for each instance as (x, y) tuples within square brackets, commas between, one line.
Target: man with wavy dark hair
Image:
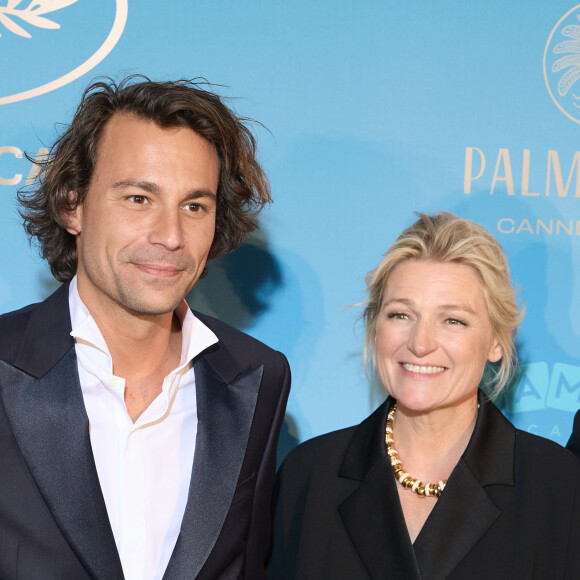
[(138, 440)]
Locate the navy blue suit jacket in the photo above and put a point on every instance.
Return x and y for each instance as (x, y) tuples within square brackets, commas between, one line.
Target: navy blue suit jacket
[(53, 519)]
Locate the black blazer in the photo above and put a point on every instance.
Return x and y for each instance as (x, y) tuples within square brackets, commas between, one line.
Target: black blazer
[(574, 441), (511, 510), (53, 519)]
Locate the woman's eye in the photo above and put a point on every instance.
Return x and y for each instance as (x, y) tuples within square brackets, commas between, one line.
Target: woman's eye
[(397, 316), (455, 322)]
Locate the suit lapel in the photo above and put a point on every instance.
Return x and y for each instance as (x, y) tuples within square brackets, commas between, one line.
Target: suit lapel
[(459, 519), (465, 512), (226, 400), (43, 401), (372, 515)]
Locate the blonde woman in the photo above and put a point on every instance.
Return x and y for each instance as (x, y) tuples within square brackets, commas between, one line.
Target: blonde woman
[(436, 483)]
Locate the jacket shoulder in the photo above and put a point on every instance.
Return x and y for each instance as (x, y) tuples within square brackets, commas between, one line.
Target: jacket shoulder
[(351, 452), (12, 329), (17, 316), (530, 447), (318, 455)]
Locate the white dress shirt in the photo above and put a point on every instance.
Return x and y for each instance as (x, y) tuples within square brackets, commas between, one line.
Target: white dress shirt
[(144, 467)]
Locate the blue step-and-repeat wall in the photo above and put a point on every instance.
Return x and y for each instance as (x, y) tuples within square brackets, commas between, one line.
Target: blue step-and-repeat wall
[(374, 109)]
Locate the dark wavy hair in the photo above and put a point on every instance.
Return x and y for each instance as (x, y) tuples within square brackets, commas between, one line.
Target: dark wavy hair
[(243, 188)]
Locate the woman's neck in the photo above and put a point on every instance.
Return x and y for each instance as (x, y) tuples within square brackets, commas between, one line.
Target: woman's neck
[(430, 444)]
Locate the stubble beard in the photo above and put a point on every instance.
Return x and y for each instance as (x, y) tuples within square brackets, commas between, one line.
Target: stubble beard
[(140, 298)]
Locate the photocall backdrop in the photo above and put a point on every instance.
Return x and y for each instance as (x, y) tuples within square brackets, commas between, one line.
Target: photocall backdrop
[(375, 109)]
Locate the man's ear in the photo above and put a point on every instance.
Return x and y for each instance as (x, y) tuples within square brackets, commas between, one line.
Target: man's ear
[(71, 217)]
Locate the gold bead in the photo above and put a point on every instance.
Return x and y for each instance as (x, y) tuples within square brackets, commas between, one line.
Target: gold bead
[(408, 482)]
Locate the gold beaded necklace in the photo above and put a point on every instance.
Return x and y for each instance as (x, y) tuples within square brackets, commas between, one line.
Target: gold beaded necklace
[(408, 482)]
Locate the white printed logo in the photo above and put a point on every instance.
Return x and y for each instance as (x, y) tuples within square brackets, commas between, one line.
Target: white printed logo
[(32, 14), (562, 64), (22, 22)]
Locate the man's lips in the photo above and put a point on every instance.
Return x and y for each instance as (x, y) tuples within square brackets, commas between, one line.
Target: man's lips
[(422, 369), (159, 270)]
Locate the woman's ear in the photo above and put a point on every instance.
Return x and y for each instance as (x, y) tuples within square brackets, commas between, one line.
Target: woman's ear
[(495, 352)]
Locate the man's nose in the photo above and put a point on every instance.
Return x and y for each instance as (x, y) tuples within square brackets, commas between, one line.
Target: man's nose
[(167, 229)]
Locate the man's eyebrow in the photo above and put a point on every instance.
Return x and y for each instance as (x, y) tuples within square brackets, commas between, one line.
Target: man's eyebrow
[(150, 187), (197, 193), (147, 186)]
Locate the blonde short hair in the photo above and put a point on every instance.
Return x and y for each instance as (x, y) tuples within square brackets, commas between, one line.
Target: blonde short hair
[(447, 238)]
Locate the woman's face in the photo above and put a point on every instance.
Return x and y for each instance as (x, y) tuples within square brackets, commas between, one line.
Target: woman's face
[(433, 335)]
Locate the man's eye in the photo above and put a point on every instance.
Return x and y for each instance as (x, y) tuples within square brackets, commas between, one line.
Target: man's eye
[(194, 207), (138, 199)]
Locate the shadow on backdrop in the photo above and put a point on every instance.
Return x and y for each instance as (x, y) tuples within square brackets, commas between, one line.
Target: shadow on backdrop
[(288, 438), (237, 288), (48, 283)]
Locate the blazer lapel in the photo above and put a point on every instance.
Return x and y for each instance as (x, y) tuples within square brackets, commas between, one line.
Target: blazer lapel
[(43, 401), (226, 401), (464, 512), (372, 515)]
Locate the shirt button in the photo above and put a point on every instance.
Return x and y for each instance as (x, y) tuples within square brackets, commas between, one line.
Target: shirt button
[(113, 382)]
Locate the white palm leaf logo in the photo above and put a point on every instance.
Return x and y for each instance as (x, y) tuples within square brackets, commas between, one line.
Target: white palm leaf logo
[(33, 15), (572, 61)]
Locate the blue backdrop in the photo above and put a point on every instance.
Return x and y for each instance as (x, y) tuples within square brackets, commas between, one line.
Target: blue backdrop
[(375, 109)]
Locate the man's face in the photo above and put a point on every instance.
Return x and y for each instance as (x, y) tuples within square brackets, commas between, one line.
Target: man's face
[(147, 224)]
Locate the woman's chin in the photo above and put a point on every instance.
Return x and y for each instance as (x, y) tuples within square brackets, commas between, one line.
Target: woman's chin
[(424, 403)]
